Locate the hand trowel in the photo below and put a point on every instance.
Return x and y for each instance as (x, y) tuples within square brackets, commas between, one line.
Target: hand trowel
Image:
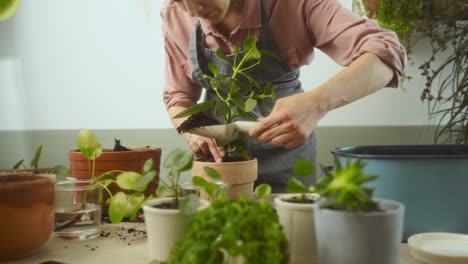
[(224, 133)]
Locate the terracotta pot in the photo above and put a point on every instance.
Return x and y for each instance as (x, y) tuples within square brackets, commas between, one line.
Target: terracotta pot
[(27, 207), (132, 160), (240, 175)]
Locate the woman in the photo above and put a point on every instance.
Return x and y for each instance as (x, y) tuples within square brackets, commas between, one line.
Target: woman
[(373, 56)]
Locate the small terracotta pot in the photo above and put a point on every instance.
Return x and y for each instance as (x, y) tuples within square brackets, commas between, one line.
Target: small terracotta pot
[(27, 207), (132, 160), (239, 175)]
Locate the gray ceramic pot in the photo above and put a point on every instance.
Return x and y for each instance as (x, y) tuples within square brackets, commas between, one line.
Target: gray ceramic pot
[(430, 180), (359, 238)]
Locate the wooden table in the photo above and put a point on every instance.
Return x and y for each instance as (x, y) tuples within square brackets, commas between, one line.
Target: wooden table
[(119, 246)]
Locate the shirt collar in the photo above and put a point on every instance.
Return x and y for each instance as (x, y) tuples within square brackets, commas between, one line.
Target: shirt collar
[(251, 18)]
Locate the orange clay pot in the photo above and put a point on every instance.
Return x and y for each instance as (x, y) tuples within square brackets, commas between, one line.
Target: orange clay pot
[(132, 160), (239, 175), (27, 212)]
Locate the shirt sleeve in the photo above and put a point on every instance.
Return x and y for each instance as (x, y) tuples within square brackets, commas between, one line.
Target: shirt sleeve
[(344, 36), (179, 90)]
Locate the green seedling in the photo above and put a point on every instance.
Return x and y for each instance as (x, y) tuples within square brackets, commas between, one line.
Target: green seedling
[(302, 168), (344, 188)]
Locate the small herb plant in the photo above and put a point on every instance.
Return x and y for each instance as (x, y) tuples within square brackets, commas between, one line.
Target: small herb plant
[(344, 188), (121, 205), (232, 229), (60, 171), (238, 93), (302, 168), (177, 161)]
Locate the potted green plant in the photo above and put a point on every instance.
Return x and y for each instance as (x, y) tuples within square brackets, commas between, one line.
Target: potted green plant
[(168, 216), (238, 94), (119, 158), (127, 202), (441, 23), (236, 230), (352, 227), (60, 171), (295, 211)]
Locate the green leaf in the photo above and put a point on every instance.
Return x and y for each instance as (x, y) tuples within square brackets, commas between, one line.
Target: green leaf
[(130, 181), (221, 108), (250, 49), (236, 49), (238, 101), (194, 109), (295, 186), (223, 56), (179, 160), (214, 174), (164, 191), (37, 157), (263, 190), (88, 145), (134, 203), (117, 207), (199, 181), (146, 179), (250, 105), (149, 165), (303, 168), (270, 54), (189, 205), (213, 68), (18, 164), (61, 172)]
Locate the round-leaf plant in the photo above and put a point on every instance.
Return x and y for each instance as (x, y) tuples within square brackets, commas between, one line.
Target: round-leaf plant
[(121, 205), (302, 168)]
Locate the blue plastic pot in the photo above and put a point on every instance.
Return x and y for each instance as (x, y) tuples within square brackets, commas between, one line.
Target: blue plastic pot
[(430, 180)]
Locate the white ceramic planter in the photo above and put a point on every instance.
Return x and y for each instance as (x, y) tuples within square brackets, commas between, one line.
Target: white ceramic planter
[(359, 238), (297, 220), (164, 227)]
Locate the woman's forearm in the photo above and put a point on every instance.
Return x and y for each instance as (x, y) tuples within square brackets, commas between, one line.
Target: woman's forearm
[(364, 76)]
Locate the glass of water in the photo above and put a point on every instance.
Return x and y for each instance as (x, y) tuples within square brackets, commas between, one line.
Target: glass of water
[(77, 210)]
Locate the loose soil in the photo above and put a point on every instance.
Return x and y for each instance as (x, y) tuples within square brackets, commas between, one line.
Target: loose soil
[(197, 120)]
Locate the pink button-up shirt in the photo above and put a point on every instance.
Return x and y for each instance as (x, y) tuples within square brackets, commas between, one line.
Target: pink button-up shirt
[(298, 26)]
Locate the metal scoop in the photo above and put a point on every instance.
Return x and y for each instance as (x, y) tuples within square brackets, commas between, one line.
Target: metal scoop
[(224, 133)]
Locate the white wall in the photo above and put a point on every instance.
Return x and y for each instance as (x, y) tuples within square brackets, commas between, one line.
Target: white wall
[(99, 64)]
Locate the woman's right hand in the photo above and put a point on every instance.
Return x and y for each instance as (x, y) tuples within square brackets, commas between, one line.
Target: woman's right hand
[(205, 147)]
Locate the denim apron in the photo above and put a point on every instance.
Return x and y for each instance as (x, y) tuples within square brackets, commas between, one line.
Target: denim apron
[(275, 163)]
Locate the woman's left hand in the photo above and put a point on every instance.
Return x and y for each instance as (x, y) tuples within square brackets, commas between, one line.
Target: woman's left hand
[(292, 120)]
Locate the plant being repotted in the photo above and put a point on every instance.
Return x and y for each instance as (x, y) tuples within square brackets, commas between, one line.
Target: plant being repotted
[(236, 230), (168, 216), (295, 211), (238, 94), (350, 226)]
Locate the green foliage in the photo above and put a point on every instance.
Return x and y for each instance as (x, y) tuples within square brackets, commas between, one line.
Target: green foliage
[(344, 188), (61, 172), (177, 161), (121, 205), (302, 168), (231, 228), (443, 24), (237, 94)]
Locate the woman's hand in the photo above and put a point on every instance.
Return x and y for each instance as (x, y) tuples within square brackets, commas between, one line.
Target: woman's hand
[(291, 122), (205, 147)]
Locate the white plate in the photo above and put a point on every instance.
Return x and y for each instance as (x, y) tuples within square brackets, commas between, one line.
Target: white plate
[(439, 248)]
